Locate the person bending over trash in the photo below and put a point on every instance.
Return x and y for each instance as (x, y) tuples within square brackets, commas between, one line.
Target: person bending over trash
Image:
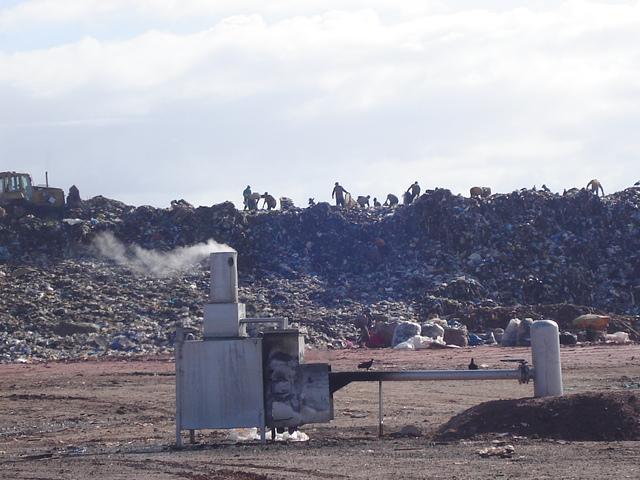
[(253, 200), (269, 201), (391, 200), (363, 201), (594, 185)]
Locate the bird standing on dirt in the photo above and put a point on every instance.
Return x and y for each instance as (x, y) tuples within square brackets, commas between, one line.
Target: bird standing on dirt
[(472, 365), (366, 365)]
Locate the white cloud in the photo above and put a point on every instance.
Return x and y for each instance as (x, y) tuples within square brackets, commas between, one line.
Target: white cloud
[(457, 95), (47, 11)]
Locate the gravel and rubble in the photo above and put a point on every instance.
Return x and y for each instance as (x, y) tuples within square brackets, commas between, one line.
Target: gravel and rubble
[(480, 262)]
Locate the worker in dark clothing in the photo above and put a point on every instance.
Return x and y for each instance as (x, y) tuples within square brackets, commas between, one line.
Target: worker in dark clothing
[(246, 194), (413, 191), (391, 200), (363, 201), (363, 323), (338, 193), (376, 203), (253, 200), (269, 201), (73, 199)]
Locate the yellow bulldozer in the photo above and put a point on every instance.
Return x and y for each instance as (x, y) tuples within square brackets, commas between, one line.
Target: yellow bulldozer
[(19, 196)]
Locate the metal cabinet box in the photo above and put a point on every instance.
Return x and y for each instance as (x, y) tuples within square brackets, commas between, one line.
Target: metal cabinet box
[(295, 393), (219, 384)]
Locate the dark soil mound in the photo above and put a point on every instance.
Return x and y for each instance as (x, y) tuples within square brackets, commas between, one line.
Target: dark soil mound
[(590, 416)]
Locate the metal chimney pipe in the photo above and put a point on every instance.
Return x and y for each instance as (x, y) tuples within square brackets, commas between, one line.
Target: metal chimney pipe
[(224, 277)]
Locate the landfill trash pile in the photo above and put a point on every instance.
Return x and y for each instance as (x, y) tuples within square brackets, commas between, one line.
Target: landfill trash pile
[(466, 266)]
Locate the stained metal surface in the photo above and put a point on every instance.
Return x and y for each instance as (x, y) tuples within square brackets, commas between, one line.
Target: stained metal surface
[(224, 277), (223, 320), (545, 354), (221, 384), (338, 380), (281, 322)]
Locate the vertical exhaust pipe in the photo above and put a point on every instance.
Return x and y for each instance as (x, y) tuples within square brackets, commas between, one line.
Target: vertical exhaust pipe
[(224, 277)]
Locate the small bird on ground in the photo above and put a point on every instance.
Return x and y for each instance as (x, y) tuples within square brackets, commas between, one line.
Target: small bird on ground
[(472, 365), (366, 365)]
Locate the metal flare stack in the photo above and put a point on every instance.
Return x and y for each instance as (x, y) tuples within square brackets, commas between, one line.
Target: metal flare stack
[(230, 380)]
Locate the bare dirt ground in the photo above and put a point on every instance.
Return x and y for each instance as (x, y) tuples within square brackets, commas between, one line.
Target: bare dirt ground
[(114, 420)]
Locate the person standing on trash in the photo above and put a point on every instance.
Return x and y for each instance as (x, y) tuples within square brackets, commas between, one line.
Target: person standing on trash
[(73, 198), (414, 191), (338, 193), (376, 203), (269, 201), (246, 194), (363, 323)]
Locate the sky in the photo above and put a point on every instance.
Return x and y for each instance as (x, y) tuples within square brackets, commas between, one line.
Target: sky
[(147, 101)]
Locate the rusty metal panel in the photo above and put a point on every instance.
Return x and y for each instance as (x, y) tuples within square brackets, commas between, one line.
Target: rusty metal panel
[(221, 384)]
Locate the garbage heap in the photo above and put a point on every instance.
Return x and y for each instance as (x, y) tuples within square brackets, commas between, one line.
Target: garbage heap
[(474, 262)]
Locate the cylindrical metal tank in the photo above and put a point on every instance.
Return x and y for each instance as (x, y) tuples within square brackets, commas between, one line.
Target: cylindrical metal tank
[(224, 277), (545, 354)]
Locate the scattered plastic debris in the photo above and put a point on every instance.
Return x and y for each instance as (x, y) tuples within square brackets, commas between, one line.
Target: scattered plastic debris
[(500, 449), (252, 435)]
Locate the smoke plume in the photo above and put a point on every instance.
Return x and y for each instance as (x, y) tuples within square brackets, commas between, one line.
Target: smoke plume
[(152, 262)]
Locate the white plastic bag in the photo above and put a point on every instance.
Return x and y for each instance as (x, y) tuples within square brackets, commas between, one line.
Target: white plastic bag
[(510, 335), (618, 337), (418, 342), (404, 331), (252, 435), (407, 345)]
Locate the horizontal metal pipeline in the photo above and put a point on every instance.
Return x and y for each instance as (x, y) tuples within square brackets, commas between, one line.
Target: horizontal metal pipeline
[(337, 380)]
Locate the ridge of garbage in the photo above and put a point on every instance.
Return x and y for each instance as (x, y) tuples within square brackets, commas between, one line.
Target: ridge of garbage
[(480, 261)]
